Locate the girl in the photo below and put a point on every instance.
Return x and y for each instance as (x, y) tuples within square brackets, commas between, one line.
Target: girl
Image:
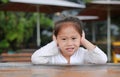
[(65, 47)]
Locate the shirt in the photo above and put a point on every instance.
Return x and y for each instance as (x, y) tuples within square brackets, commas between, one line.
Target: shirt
[(50, 54)]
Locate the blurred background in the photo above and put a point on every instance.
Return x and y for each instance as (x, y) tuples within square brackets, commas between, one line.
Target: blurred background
[(18, 31)]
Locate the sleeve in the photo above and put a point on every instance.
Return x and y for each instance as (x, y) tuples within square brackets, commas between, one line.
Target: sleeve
[(42, 55), (96, 56)]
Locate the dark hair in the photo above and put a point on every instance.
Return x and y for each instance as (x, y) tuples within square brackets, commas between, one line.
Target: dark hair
[(76, 24)]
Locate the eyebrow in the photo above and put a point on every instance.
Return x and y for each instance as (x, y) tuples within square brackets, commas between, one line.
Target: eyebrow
[(67, 36)]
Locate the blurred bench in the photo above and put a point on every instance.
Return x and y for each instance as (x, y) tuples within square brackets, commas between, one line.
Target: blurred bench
[(16, 57)]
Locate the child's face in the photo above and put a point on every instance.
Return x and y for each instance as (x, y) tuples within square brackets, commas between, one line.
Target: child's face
[(68, 40)]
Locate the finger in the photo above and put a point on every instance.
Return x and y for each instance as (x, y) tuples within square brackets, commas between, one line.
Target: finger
[(83, 33)]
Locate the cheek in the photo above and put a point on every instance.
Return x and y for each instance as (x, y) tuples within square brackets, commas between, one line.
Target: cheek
[(78, 43), (58, 42)]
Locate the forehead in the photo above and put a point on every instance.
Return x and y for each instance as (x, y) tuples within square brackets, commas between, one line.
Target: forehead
[(68, 29), (67, 25)]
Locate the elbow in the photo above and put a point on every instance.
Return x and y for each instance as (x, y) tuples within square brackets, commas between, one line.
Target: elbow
[(39, 60), (102, 60), (99, 60)]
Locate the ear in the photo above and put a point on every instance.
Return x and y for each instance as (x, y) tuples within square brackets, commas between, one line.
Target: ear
[(54, 38)]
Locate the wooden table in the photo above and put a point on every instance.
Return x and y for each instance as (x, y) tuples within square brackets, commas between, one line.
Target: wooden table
[(87, 70)]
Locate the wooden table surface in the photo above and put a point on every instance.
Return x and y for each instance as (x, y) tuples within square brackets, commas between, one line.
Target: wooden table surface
[(87, 70)]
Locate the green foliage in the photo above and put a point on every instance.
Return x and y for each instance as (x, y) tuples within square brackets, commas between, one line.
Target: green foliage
[(4, 1), (86, 1), (44, 21), (4, 44), (14, 28), (17, 28)]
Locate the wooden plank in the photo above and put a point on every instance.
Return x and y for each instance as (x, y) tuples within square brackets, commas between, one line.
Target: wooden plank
[(16, 54), (17, 57), (22, 59)]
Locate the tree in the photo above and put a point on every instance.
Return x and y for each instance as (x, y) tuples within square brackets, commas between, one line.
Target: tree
[(16, 28)]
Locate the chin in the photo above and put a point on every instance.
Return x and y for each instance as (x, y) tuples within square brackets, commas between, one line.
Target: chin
[(70, 54)]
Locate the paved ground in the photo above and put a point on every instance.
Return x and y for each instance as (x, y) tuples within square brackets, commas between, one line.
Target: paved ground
[(29, 70)]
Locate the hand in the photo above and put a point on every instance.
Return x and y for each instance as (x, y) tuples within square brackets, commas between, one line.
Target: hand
[(87, 44)]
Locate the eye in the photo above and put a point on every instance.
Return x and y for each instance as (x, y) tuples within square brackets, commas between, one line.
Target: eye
[(74, 38), (63, 38)]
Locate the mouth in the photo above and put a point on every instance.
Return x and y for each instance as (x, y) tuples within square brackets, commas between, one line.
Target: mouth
[(70, 49)]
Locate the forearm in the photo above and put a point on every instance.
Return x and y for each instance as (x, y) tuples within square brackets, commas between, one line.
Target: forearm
[(42, 55), (96, 56), (87, 44), (39, 59)]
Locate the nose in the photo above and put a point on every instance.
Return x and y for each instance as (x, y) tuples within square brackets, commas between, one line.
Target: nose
[(69, 42)]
